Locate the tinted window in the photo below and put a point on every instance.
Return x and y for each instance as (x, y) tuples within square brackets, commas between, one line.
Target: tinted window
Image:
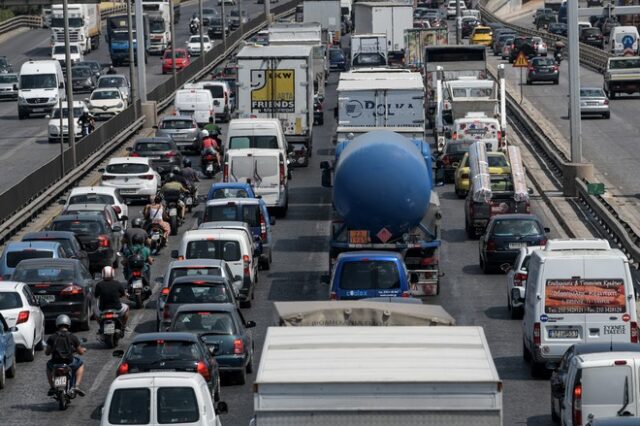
[(482, 31), (44, 274), (251, 215), (255, 168), (38, 81), (111, 82), (543, 62), (369, 276), (177, 124), (156, 350), (214, 249), (79, 227), (130, 407), (335, 54), (457, 148), (205, 322), (597, 93), (199, 293), (153, 146), (264, 142), (221, 214), (81, 72), (8, 79), (177, 405), (624, 64), (100, 95), (590, 31), (230, 193), (497, 161), (14, 257), (510, 227), (216, 91), (10, 300), (127, 168), (187, 272), (91, 199)]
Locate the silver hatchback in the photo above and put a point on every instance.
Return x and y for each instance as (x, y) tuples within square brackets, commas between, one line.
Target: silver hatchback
[(593, 101), (9, 86), (182, 129)]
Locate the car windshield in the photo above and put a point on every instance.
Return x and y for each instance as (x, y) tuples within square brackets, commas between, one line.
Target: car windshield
[(191, 271), (112, 82), (262, 142), (229, 193), (77, 112), (177, 405), (38, 81), (516, 228), (10, 300), (177, 124), (127, 168), (156, 26), (163, 349), (482, 31), (205, 322), (130, 406), (336, 54), (15, 257), (369, 275), (625, 63), (497, 161), (152, 146), (87, 227), (247, 213), (47, 274), (214, 249), (81, 72), (60, 49), (542, 62), (369, 59), (199, 292), (592, 93), (91, 198), (8, 78), (102, 95), (178, 54), (457, 148)]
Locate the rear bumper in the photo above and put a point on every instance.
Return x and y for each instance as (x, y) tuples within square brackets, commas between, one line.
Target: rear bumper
[(232, 363), (76, 310), (500, 257), (101, 257), (543, 77)]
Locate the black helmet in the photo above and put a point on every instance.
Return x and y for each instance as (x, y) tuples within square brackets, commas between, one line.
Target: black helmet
[(171, 176), (136, 223), (137, 239), (186, 163), (176, 170)]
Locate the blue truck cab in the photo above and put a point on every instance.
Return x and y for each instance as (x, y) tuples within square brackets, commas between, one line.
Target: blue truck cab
[(367, 274)]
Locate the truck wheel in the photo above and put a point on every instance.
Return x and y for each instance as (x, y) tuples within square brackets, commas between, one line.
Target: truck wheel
[(525, 353), (242, 377), (612, 94)]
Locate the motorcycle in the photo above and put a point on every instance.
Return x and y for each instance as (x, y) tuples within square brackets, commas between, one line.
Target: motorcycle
[(64, 381), (210, 165), (138, 285), (87, 129), (172, 200), (110, 329), (156, 235), (194, 28), (557, 55)]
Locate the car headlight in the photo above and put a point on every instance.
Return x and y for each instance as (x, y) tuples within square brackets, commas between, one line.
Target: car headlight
[(53, 128), (53, 99), (119, 105), (21, 100)]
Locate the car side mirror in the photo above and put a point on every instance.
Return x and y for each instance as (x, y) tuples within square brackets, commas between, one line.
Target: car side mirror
[(529, 191), (505, 267), (174, 254), (116, 228), (62, 201), (237, 278), (119, 353), (15, 87), (250, 324), (222, 408), (272, 220), (547, 230)]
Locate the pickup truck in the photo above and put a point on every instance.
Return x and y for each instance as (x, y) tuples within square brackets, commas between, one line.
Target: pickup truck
[(622, 75)]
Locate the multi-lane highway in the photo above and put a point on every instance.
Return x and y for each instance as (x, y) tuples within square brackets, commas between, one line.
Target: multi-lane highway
[(23, 144)]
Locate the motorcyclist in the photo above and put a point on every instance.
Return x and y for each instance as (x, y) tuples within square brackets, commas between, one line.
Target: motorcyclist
[(210, 145), (140, 249), (86, 120), (559, 49), (188, 172), (134, 229), (109, 291), (175, 183), (112, 70), (155, 213), (195, 21), (62, 345), (211, 125)]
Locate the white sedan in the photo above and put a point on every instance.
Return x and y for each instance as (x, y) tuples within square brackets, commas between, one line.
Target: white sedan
[(133, 176), (21, 310), (193, 44), (517, 281), (106, 103)]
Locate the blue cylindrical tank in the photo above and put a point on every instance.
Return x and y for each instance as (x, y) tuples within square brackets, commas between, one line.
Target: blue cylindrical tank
[(381, 181)]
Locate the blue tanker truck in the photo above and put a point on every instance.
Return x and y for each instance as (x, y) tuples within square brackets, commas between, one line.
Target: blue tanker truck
[(383, 200)]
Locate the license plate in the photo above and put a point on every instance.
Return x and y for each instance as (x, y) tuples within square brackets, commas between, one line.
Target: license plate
[(614, 329), (173, 212), (209, 167), (517, 245), (563, 334), (154, 158), (592, 103), (155, 237), (46, 298), (109, 328), (137, 284), (189, 201), (127, 191), (37, 110), (60, 381), (158, 369)]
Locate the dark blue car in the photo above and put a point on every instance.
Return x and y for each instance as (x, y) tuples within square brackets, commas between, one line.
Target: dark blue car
[(337, 60), (7, 352)]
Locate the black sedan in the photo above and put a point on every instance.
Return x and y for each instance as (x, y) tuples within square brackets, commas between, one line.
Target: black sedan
[(468, 24), (558, 28), (162, 152), (504, 237), (224, 331), (63, 286), (68, 240), (100, 241), (543, 69), (170, 352), (524, 44), (83, 79), (592, 36), (450, 158)]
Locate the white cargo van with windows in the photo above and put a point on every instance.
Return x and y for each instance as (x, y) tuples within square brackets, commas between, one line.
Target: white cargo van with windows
[(221, 94), (41, 88), (578, 291), (623, 41), (266, 170), (196, 103)]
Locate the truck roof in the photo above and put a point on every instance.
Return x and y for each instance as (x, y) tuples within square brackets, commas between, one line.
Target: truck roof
[(376, 355), (281, 51), (382, 4), (390, 82)]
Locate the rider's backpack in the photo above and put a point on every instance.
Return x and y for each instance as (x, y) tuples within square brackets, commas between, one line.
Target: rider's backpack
[(62, 347)]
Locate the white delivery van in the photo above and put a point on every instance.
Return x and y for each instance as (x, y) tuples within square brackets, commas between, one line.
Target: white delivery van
[(266, 169), (601, 385), (161, 398), (623, 41), (221, 94), (578, 291), (41, 88), (256, 133), (384, 17), (196, 103)]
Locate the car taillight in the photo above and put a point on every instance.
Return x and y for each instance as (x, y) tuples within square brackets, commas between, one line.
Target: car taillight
[(146, 177), (245, 261), (555, 68), (634, 331), (519, 279), (577, 405), (406, 294), (103, 240), (543, 242), (263, 229), (531, 68), (225, 173), (23, 316), (536, 334), (201, 368), (170, 154), (238, 347), (491, 245), (606, 101), (134, 154), (123, 368), (454, 136), (281, 173), (333, 296), (164, 291), (72, 290), (136, 273)]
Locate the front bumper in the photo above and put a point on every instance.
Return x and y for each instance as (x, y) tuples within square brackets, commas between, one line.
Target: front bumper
[(101, 113)]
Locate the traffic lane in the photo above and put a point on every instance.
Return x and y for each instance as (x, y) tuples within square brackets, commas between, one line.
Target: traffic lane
[(478, 299)]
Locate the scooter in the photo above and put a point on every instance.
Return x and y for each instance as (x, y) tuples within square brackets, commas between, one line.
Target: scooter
[(156, 235), (194, 28), (63, 382), (138, 285), (172, 200), (209, 163), (110, 329)]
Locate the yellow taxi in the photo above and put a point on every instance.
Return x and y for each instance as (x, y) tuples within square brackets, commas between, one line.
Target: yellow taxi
[(498, 165), (481, 35)]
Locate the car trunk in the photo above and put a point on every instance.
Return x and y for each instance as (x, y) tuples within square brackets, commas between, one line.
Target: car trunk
[(128, 177), (264, 173)]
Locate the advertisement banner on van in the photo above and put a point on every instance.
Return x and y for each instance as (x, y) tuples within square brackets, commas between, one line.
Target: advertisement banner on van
[(273, 91), (585, 296)]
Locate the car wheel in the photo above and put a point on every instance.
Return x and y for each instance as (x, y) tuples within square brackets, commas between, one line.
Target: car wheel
[(517, 313), (528, 82), (242, 376), (538, 370), (85, 324), (3, 377), (484, 266), (554, 414), (607, 115), (245, 303), (249, 367), (216, 391), (525, 353), (27, 354), (40, 345), (557, 81), (11, 373)]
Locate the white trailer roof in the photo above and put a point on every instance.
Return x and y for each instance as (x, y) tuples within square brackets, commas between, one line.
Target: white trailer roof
[(376, 355), (383, 83), (279, 51), (382, 4)]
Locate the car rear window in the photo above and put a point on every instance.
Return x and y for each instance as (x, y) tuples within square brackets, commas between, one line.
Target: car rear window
[(10, 300), (153, 146), (543, 62), (205, 322), (91, 199), (626, 63), (457, 148), (131, 406), (87, 227), (264, 142), (162, 349), (192, 271), (111, 82), (592, 93), (177, 405), (591, 31), (229, 193), (45, 274), (497, 161), (217, 91), (515, 227), (177, 124), (482, 31), (196, 292), (248, 213), (255, 168), (585, 296), (370, 275), (127, 168), (214, 249), (15, 257)]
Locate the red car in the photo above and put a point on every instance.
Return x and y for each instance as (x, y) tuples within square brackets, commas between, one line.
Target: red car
[(183, 60)]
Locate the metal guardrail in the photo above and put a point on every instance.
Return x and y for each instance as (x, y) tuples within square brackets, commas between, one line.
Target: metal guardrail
[(19, 22)]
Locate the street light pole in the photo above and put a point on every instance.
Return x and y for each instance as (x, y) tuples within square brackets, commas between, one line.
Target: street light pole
[(267, 10), (458, 23), (224, 25), (141, 53), (173, 43), (201, 32), (70, 115), (240, 17), (132, 72), (574, 82)]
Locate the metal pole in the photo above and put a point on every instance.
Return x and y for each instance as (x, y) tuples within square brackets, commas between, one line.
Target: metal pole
[(240, 15), (173, 42), (574, 82), (201, 32), (141, 53), (458, 23), (521, 84), (132, 62), (70, 115), (224, 25), (61, 138), (267, 11)]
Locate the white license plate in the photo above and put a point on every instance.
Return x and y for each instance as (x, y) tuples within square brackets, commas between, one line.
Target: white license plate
[(189, 201), (210, 167), (155, 237), (517, 245), (563, 334), (137, 284), (614, 329), (127, 191), (37, 110), (154, 158), (157, 369), (173, 212), (60, 381), (109, 328), (593, 103), (47, 298)]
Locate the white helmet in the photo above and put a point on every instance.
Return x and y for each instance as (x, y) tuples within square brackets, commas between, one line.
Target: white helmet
[(107, 273), (205, 133)]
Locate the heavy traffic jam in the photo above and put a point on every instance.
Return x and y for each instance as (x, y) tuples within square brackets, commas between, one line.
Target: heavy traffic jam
[(186, 222)]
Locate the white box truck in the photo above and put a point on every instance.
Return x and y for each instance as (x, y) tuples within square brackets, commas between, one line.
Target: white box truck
[(368, 50), (363, 376), (277, 82), (327, 13), (159, 25), (386, 17), (84, 25)]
